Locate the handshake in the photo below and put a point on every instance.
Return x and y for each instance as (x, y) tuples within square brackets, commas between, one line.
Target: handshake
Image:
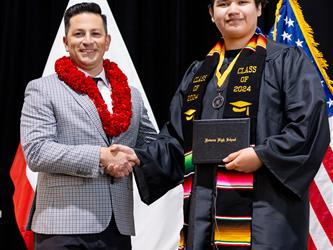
[(118, 160)]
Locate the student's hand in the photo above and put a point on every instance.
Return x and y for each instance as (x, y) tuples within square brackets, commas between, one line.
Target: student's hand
[(244, 160)]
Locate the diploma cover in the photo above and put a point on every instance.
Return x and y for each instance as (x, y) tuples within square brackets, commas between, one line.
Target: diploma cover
[(215, 139)]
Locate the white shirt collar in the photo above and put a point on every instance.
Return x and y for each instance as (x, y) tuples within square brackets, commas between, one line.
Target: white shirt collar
[(101, 75)]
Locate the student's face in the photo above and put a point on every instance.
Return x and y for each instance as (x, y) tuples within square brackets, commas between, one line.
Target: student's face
[(235, 18), (86, 41)]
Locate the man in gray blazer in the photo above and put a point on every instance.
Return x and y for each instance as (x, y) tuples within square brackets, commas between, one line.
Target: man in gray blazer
[(84, 194)]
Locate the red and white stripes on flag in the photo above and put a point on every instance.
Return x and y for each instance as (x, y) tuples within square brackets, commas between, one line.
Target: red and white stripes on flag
[(321, 205), (23, 196)]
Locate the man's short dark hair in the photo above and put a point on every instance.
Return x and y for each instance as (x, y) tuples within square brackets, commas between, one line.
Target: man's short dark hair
[(83, 8), (257, 2)]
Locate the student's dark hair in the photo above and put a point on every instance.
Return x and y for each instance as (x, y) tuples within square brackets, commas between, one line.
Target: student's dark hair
[(257, 2), (83, 8)]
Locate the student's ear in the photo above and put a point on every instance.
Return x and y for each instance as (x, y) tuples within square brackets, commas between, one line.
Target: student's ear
[(211, 13), (259, 10)]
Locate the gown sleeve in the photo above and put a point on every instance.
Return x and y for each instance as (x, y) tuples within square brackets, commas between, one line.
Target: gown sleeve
[(294, 154), (162, 160)]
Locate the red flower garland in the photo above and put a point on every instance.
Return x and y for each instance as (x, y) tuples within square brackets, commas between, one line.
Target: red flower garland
[(113, 124)]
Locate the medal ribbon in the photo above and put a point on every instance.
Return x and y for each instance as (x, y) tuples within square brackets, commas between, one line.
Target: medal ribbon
[(221, 77)]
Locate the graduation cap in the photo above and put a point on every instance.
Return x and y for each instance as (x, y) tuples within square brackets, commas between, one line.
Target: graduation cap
[(241, 106), (189, 114)]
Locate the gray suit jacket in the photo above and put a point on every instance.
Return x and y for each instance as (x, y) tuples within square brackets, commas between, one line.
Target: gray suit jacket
[(61, 134)]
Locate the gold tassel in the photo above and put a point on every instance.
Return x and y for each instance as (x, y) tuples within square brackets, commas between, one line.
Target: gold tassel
[(277, 13), (312, 44)]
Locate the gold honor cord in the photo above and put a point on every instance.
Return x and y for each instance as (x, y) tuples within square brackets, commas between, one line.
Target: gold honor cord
[(221, 78)]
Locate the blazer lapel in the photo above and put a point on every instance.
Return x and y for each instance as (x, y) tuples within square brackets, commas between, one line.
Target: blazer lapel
[(88, 106)]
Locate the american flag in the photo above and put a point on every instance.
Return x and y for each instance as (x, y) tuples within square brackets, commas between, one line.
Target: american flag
[(291, 28)]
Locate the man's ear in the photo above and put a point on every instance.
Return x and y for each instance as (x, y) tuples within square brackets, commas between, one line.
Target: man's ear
[(108, 42), (64, 40)]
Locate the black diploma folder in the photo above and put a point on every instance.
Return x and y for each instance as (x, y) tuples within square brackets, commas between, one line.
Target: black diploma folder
[(213, 140)]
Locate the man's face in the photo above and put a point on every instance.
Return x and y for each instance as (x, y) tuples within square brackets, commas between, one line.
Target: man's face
[(235, 19), (86, 42)]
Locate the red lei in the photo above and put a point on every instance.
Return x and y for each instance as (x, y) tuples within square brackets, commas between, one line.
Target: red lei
[(113, 124)]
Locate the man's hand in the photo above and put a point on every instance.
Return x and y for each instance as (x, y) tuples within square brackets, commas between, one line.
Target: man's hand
[(118, 160), (244, 160)]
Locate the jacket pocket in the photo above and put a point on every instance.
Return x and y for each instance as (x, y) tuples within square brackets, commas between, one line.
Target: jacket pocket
[(60, 180)]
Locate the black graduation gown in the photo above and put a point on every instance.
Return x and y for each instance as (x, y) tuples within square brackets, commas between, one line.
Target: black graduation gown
[(291, 140)]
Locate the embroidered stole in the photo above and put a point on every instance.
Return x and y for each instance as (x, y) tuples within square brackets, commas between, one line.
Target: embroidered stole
[(218, 203)]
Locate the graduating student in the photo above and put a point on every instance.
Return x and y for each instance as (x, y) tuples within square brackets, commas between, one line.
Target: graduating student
[(258, 199)]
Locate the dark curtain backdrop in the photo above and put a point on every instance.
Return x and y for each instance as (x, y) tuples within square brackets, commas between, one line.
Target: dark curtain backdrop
[(163, 38)]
